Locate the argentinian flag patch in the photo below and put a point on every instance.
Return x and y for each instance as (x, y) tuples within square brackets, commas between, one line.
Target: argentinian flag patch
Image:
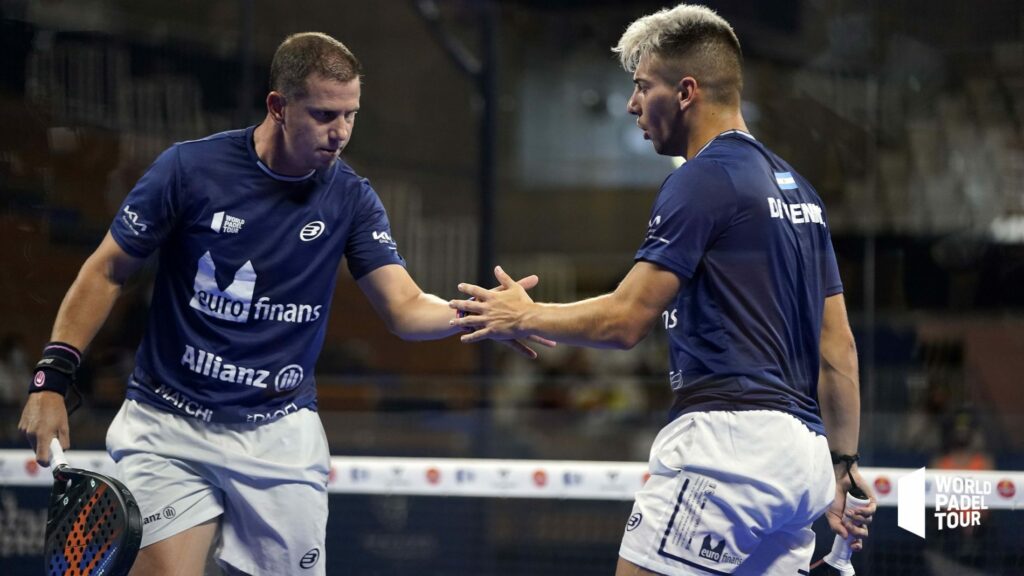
[(785, 181)]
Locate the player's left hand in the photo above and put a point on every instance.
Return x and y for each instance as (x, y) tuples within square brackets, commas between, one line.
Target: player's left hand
[(494, 314), (851, 523)]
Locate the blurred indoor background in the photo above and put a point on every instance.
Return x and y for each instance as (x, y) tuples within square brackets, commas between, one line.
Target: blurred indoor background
[(496, 133)]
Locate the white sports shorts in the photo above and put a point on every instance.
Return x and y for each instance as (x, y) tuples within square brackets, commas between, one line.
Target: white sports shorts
[(731, 493), (267, 482)]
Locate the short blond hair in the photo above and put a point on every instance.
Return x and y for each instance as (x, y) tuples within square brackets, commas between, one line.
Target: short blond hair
[(307, 54), (691, 39)]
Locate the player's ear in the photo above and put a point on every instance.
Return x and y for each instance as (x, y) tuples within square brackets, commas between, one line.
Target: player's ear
[(275, 106), (686, 91)]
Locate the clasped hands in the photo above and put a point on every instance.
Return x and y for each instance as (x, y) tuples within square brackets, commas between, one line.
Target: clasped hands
[(497, 314)]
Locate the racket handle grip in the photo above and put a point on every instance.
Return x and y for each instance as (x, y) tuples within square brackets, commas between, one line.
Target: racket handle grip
[(839, 557), (57, 458)]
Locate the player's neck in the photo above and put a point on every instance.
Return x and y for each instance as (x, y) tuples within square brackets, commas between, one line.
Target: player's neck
[(713, 122), (269, 144)]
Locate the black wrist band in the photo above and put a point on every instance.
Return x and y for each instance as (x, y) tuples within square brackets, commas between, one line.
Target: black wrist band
[(850, 459), (55, 372)]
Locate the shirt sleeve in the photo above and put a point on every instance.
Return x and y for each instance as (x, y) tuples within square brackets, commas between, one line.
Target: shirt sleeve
[(149, 212), (370, 244), (695, 205), (833, 283)]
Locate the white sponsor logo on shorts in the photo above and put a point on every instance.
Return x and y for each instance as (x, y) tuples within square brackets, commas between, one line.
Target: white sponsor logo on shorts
[(215, 367)]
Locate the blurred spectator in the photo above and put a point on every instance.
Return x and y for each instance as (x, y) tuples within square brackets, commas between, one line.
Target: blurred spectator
[(14, 369), (963, 446)]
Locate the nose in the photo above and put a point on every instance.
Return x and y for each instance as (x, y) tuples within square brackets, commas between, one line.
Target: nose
[(340, 130), (633, 104)]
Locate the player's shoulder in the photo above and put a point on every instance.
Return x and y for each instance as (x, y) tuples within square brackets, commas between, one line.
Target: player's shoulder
[(702, 172), (346, 172), (217, 139), (343, 176), (745, 159), (734, 151), (209, 147)]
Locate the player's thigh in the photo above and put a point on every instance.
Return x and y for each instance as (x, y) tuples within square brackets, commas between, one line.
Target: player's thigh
[(708, 504), (288, 520), (276, 494), (183, 554), (172, 492)]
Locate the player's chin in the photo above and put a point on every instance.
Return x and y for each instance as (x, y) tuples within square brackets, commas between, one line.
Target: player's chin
[(325, 157)]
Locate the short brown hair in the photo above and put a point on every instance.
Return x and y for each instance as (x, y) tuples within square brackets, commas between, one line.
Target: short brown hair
[(305, 54), (692, 39)]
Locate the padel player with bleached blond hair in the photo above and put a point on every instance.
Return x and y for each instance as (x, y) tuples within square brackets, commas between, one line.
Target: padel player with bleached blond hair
[(219, 432), (738, 261)]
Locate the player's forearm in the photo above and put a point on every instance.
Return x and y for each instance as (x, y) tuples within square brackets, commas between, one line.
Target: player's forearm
[(600, 322), (839, 396), (85, 306), (425, 317)]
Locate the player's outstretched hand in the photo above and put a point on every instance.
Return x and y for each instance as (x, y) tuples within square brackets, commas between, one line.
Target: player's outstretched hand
[(494, 314), (519, 345), (846, 522), (44, 417)]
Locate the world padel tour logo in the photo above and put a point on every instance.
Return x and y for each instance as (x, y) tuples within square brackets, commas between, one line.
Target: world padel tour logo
[(959, 501)]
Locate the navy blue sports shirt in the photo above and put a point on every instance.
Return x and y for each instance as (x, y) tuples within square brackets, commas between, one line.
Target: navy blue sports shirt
[(247, 268), (749, 237)]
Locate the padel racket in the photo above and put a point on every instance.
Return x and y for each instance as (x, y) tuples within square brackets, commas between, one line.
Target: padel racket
[(837, 562), (93, 527)]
